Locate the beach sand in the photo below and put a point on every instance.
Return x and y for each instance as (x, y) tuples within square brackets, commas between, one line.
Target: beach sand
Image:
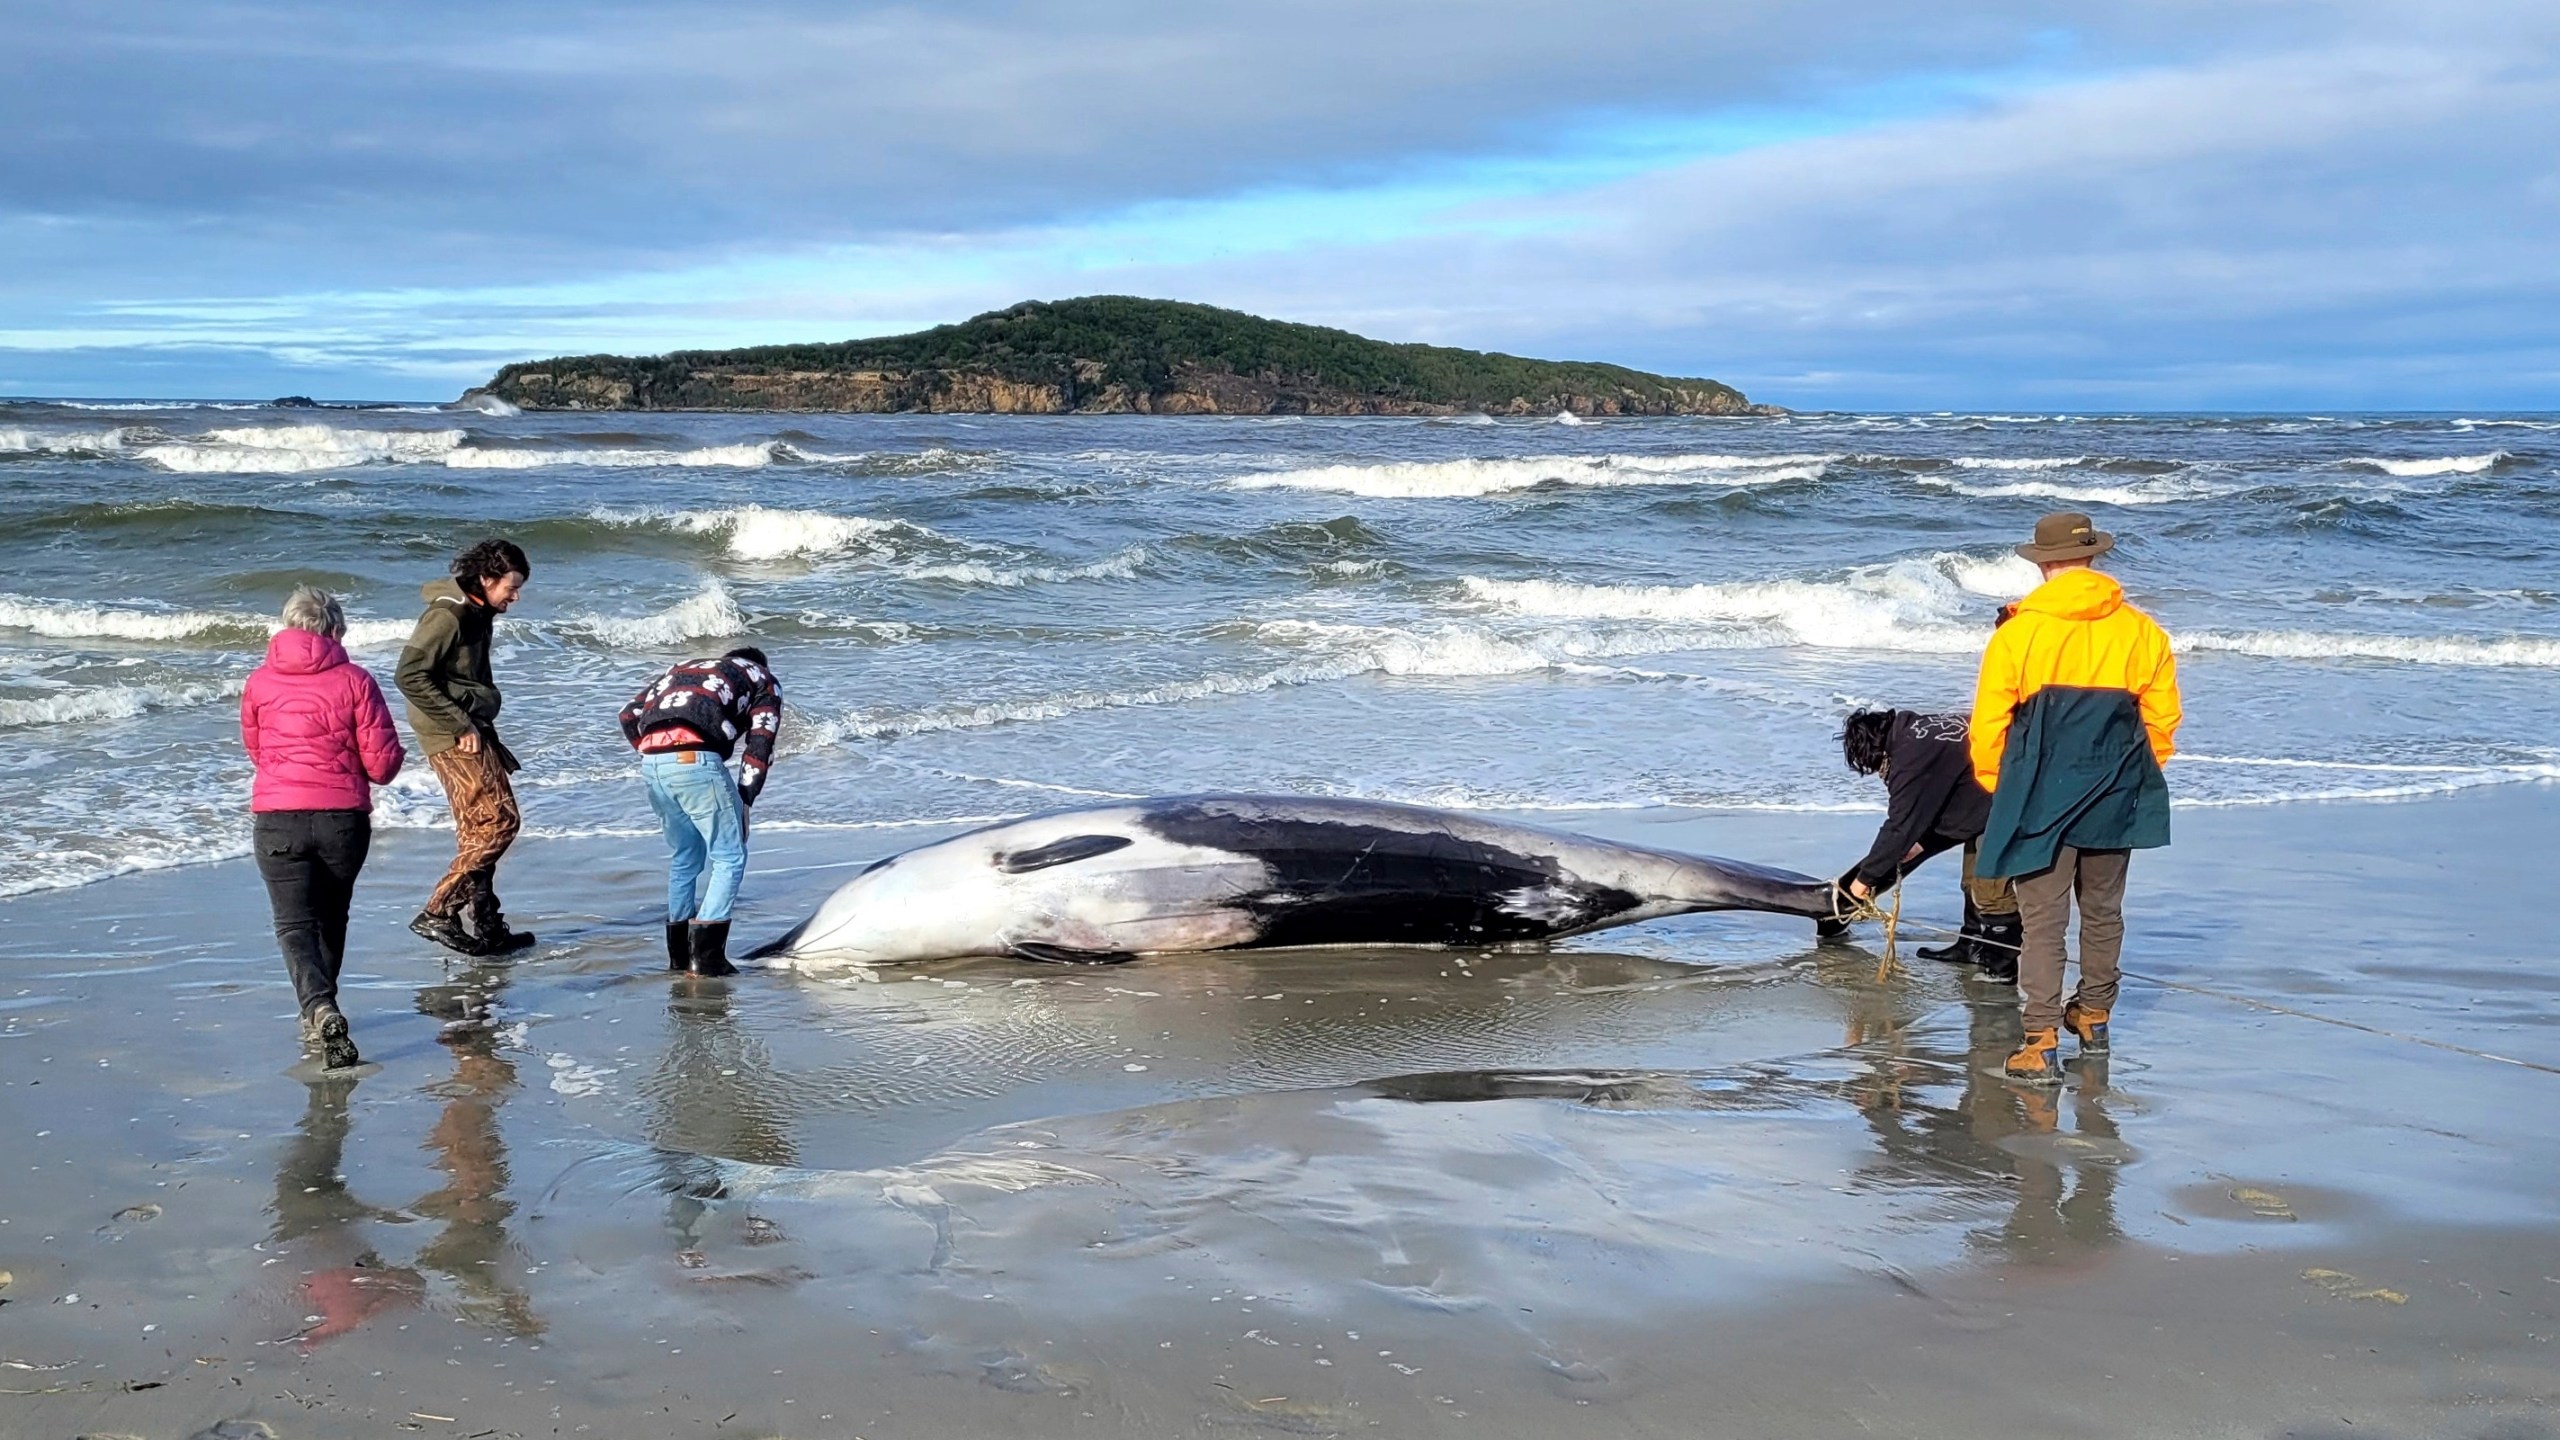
[(1695, 1178)]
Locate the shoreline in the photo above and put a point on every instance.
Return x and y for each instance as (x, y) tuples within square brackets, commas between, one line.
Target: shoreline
[(1694, 1175)]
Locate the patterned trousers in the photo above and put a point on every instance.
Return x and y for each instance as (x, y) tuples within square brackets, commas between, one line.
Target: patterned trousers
[(485, 821)]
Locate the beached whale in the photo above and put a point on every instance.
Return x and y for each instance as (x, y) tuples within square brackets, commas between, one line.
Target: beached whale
[(1222, 872)]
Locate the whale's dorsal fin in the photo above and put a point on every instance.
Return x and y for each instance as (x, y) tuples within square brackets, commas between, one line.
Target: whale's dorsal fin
[(1060, 852)]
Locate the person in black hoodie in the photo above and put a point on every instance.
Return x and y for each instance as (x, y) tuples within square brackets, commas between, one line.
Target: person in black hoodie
[(686, 724), (1933, 803)]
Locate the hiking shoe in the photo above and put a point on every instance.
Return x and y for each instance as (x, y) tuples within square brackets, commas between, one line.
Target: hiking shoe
[(337, 1048), (489, 925), (447, 931), (2089, 1025), (2038, 1060), (503, 941)]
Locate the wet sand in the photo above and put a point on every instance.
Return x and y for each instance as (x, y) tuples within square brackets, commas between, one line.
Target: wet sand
[(1696, 1178)]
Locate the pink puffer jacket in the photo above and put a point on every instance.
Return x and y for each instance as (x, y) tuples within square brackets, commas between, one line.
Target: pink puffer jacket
[(316, 728)]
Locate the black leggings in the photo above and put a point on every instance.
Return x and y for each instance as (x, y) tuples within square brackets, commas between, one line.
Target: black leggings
[(310, 859)]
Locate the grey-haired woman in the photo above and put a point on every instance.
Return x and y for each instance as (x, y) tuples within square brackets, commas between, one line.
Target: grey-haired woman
[(321, 737)]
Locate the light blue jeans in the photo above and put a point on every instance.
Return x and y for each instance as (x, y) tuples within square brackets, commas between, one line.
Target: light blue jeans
[(705, 822)]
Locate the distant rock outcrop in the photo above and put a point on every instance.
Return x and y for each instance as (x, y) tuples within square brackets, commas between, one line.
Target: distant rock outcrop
[(1106, 355)]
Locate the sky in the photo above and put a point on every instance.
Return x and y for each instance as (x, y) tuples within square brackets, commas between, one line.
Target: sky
[(1847, 204)]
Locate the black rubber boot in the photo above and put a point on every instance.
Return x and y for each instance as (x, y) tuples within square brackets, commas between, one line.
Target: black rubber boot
[(447, 931), (337, 1048), (1959, 951), (679, 945), (1998, 947), (711, 949)]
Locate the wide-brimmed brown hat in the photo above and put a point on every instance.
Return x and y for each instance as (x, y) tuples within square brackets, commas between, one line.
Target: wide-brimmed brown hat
[(2067, 535)]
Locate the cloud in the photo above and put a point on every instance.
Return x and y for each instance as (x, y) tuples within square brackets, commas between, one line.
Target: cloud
[(2172, 204)]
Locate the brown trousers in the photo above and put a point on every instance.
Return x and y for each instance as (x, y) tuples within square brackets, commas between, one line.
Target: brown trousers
[(2095, 878), (1996, 896), (485, 821)]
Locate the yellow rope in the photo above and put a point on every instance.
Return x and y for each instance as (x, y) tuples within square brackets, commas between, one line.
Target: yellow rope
[(1892, 922)]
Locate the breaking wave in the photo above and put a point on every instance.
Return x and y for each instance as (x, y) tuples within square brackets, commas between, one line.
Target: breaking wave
[(1338, 652), (2051, 462), (707, 614), (19, 440), (2528, 651), (2165, 489), (111, 702), (1122, 566), (753, 532), (1922, 604), (65, 620), (2444, 465), (297, 448), (290, 449), (68, 620), (1450, 479)]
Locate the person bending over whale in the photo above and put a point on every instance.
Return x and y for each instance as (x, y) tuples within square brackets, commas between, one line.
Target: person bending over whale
[(1933, 804), (686, 724)]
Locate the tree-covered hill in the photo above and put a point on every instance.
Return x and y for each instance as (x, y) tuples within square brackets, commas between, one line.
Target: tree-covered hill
[(1107, 354)]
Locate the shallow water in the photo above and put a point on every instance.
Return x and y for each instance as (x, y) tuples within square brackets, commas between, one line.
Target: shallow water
[(980, 616)]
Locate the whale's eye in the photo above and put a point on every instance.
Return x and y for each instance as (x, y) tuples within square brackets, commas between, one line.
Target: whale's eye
[(1060, 852)]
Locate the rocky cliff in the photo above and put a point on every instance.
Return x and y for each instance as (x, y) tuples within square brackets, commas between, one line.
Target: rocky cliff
[(1110, 355)]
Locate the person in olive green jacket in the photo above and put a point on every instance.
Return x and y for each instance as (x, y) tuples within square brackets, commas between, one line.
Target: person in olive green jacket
[(453, 707)]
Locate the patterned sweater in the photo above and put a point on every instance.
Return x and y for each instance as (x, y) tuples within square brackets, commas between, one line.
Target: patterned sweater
[(709, 705)]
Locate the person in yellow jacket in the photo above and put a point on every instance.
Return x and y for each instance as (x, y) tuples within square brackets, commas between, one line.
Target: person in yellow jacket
[(2074, 712)]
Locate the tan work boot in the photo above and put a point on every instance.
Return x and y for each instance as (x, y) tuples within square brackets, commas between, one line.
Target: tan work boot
[(2089, 1025), (2038, 1060)]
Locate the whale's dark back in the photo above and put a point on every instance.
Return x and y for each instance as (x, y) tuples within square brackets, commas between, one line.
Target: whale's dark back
[(1338, 878)]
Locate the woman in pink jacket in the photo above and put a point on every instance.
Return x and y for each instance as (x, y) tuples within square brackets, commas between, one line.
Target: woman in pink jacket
[(321, 738)]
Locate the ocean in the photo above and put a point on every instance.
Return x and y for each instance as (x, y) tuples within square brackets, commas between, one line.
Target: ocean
[(978, 617)]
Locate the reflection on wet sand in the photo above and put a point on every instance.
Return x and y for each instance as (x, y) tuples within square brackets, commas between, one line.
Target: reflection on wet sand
[(712, 1098), (1992, 1138), (324, 1224), (474, 1250)]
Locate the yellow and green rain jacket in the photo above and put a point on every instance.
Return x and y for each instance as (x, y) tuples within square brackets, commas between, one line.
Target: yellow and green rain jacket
[(2074, 711)]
